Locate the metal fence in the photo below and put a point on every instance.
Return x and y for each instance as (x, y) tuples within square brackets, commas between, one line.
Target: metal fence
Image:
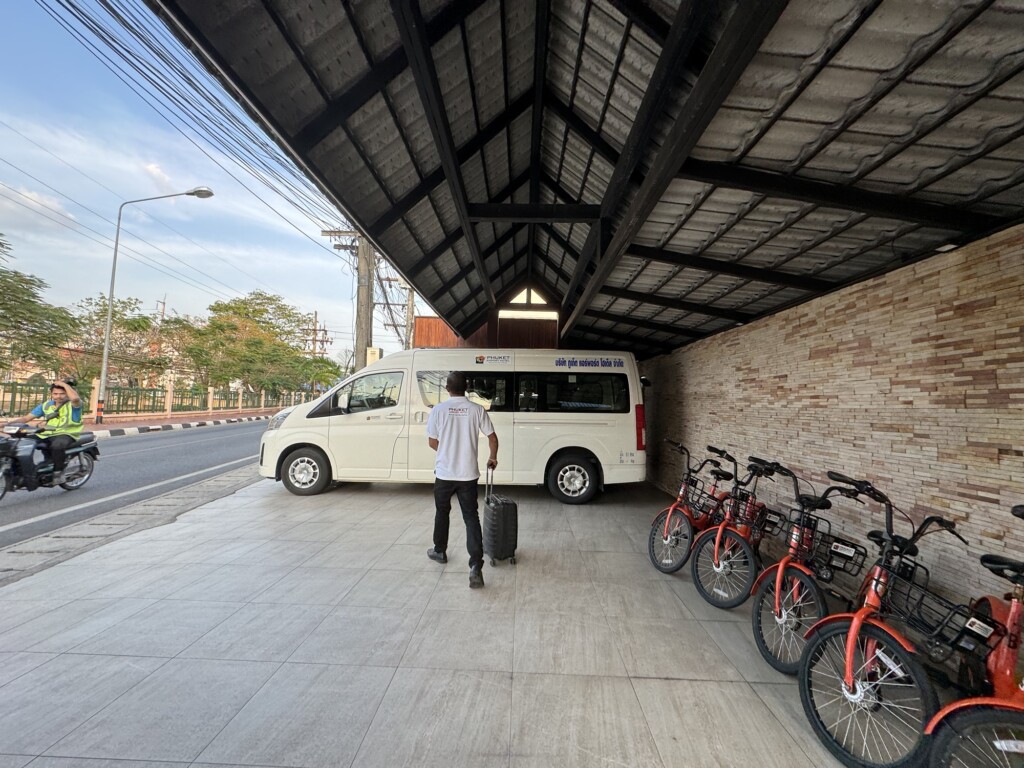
[(17, 399), (189, 400)]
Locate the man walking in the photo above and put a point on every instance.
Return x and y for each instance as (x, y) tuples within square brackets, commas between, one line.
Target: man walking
[(453, 430)]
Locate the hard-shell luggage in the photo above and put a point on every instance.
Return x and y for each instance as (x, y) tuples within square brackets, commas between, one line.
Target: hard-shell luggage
[(501, 524)]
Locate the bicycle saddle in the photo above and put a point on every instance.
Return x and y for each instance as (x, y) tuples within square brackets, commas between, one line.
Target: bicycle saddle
[(721, 474), (901, 544), (1011, 570), (813, 502)]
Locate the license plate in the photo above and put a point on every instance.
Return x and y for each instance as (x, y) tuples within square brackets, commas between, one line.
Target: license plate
[(979, 628), (843, 550)]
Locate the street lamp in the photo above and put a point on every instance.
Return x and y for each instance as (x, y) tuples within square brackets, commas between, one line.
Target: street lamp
[(200, 192)]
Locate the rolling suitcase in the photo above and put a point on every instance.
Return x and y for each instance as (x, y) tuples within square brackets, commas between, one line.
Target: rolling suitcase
[(501, 523)]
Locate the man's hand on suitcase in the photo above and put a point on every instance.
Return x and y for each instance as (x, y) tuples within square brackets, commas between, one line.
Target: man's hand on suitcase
[(492, 463)]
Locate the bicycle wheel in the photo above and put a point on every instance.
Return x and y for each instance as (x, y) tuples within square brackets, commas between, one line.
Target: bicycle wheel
[(727, 584), (880, 723), (980, 737), (670, 550), (780, 639)]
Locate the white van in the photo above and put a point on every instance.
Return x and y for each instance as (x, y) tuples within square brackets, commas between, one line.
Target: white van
[(568, 419)]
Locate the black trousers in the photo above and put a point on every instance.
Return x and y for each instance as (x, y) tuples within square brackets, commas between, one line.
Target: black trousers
[(57, 445), (466, 490)]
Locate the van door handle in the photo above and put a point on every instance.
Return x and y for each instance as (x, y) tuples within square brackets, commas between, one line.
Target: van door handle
[(394, 416)]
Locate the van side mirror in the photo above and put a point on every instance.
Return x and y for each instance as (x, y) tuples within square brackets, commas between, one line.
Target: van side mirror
[(342, 403)]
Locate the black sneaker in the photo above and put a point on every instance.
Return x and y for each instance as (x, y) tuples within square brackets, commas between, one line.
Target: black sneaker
[(438, 557), (476, 577)]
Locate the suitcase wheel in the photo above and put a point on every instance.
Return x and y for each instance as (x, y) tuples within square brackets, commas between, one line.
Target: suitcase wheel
[(493, 562), (513, 560)]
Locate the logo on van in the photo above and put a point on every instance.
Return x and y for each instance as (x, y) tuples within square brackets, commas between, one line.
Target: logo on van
[(494, 359)]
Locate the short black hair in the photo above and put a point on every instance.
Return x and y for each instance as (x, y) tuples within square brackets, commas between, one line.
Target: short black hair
[(456, 384)]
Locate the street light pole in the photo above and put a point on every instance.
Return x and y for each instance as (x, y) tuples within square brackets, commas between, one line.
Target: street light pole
[(200, 192)]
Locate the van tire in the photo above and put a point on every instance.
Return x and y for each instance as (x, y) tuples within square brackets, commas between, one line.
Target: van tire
[(306, 472), (572, 479)]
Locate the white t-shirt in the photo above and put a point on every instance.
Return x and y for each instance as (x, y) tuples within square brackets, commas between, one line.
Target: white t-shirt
[(456, 424)]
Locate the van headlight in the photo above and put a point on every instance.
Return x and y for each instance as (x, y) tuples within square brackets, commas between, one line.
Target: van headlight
[(278, 420)]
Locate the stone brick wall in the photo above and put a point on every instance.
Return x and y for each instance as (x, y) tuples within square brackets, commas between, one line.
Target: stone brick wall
[(914, 380)]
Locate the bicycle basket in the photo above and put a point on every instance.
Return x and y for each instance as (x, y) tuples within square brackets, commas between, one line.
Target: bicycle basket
[(945, 626), (803, 532), (836, 554), (699, 501)]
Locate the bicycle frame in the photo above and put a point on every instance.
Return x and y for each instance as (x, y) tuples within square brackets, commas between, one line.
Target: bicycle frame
[(731, 504), (872, 590), (681, 505), (800, 540), (1001, 664)]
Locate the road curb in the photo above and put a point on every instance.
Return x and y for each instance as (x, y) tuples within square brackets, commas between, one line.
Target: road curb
[(126, 431)]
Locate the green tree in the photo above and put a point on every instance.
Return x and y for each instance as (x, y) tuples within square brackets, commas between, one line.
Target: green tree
[(136, 354), (255, 340), (270, 313), (30, 329)]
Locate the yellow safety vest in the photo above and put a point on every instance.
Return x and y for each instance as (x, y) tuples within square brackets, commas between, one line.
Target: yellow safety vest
[(60, 420)]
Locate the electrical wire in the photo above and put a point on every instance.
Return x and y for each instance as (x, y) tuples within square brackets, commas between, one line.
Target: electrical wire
[(109, 221), (100, 184), (107, 243)]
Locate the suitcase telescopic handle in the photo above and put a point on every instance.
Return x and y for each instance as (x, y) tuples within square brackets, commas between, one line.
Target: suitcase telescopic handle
[(488, 482)]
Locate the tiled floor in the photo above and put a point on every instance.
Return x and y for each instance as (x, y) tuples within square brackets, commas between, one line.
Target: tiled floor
[(269, 630)]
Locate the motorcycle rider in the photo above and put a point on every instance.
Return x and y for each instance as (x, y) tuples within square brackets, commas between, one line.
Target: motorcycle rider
[(63, 416)]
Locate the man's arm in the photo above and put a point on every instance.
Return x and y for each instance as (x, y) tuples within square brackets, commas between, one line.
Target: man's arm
[(28, 418), (432, 442), (492, 442), (73, 397)]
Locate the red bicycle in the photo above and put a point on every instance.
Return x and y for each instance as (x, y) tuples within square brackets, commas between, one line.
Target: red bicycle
[(669, 543), (865, 693), (725, 556), (988, 729), (788, 600)]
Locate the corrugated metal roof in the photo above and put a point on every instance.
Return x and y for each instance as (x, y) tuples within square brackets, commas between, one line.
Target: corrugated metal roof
[(738, 157)]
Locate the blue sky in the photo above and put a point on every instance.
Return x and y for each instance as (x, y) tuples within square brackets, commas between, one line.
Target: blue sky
[(56, 98)]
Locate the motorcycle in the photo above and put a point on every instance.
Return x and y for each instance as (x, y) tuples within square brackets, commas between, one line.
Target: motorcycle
[(22, 469)]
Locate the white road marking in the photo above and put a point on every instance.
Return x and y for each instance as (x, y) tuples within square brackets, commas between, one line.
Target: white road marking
[(68, 510)]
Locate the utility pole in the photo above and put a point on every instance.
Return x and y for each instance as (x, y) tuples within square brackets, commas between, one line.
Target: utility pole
[(364, 300), (314, 329), (410, 317)]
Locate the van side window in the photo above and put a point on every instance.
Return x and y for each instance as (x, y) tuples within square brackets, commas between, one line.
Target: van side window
[(377, 390), (527, 397), (584, 392), (487, 389)]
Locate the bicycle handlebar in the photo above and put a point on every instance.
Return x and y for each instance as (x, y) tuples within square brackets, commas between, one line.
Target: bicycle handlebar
[(680, 448), (947, 525)]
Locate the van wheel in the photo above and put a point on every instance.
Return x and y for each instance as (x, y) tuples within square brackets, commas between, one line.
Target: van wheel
[(306, 472), (572, 479)]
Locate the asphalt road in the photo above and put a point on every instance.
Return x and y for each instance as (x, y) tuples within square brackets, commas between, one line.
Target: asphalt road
[(131, 469)]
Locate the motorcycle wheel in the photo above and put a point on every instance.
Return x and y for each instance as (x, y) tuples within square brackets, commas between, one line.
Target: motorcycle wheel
[(80, 468)]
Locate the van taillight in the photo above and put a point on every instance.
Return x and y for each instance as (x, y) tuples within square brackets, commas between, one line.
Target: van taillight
[(641, 429)]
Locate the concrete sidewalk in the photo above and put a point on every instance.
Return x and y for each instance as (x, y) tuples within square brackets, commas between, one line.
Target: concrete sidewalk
[(264, 629)]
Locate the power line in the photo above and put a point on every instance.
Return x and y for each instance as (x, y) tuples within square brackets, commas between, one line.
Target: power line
[(142, 259), (100, 184), (108, 221)]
